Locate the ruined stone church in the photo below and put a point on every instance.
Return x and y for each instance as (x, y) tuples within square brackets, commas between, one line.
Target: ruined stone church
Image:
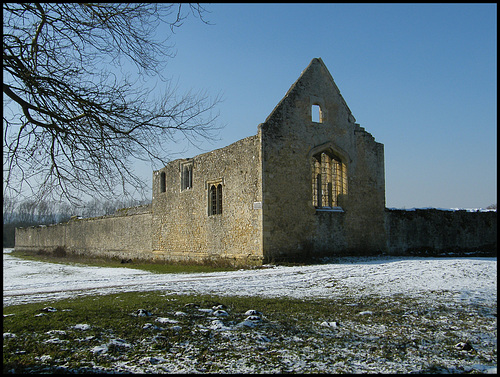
[(310, 183), (299, 185)]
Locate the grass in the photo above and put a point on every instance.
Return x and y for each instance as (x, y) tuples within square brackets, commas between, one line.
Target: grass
[(399, 334), (155, 267)]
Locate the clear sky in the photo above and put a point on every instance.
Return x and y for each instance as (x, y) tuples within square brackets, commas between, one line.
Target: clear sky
[(421, 78)]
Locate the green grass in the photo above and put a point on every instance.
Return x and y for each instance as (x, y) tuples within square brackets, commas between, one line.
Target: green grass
[(155, 267), (397, 330)]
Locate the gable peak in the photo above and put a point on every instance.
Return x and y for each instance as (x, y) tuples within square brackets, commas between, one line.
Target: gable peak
[(315, 67), (316, 62)]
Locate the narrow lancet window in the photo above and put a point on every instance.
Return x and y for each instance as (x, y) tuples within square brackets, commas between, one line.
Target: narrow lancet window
[(187, 176), (219, 199), (163, 182), (213, 200)]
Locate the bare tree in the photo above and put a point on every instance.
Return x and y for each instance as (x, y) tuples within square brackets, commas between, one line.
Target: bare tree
[(9, 207), (46, 212), (26, 212), (73, 123)]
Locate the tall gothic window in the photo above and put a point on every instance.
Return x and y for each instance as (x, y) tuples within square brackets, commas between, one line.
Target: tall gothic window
[(215, 200), (329, 180)]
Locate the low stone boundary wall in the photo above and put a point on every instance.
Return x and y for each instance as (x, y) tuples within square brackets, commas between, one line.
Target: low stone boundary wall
[(435, 231), (124, 235), (128, 235)]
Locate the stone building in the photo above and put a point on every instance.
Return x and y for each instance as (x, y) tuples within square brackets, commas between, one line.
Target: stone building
[(310, 183)]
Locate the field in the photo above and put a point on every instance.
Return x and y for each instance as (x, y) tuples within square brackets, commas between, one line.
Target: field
[(351, 316)]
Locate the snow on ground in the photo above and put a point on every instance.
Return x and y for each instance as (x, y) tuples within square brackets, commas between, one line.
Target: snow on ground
[(250, 345), (471, 280)]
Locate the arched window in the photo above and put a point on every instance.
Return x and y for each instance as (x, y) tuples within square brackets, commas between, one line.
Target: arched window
[(219, 199), (187, 176), (329, 180), (215, 200), (163, 182)]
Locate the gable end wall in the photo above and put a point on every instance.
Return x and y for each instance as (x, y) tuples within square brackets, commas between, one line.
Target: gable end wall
[(293, 228)]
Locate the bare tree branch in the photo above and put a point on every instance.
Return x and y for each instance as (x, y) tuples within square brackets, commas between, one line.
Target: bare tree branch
[(71, 124)]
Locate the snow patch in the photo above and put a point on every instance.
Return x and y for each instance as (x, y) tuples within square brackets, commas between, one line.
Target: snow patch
[(166, 320)]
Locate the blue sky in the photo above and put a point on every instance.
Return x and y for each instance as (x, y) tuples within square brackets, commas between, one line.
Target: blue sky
[(421, 78)]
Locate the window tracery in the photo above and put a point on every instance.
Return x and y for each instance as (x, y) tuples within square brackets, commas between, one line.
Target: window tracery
[(329, 180)]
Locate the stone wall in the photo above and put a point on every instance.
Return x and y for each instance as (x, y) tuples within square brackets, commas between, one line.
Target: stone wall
[(293, 227), (184, 228), (124, 235), (434, 231), (267, 208)]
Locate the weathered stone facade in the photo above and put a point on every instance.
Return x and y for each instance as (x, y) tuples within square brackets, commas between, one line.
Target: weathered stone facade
[(310, 183), (268, 186), (293, 224), (185, 226)]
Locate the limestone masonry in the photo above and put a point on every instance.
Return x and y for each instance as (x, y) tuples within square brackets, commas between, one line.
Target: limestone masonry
[(310, 183)]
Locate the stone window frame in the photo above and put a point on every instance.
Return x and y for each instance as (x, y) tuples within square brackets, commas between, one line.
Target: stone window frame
[(320, 103), (215, 196), (163, 182), (329, 165), (186, 175)]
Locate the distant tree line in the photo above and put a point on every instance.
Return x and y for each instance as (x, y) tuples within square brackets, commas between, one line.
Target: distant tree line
[(31, 213)]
